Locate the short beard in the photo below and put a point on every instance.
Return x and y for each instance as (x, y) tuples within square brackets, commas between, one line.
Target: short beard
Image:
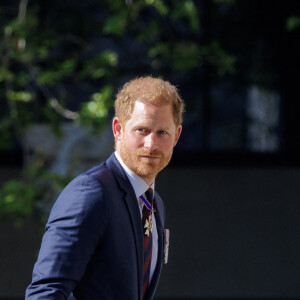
[(144, 169)]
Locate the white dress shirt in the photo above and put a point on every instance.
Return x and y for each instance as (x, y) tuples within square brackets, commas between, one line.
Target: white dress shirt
[(140, 187)]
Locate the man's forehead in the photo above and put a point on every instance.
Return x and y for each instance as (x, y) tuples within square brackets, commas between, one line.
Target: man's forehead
[(147, 114), (141, 104)]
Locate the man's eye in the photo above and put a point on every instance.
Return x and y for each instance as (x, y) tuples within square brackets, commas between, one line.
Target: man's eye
[(142, 130), (162, 132)]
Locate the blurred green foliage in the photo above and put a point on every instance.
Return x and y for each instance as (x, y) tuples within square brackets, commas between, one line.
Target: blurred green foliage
[(94, 112), (292, 23), (21, 197)]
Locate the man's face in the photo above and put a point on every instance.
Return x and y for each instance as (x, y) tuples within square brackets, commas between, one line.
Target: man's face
[(145, 143)]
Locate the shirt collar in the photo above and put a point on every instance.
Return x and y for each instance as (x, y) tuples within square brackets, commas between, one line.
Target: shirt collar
[(139, 185)]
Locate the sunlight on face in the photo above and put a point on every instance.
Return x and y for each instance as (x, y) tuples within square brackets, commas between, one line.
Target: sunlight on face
[(147, 139)]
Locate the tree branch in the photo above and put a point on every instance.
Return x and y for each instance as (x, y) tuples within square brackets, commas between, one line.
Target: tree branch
[(63, 111)]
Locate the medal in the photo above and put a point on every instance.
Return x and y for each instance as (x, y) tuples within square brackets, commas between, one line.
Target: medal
[(149, 206), (148, 225), (166, 244)]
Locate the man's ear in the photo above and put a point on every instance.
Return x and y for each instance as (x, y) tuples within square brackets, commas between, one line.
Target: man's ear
[(117, 128), (177, 134)]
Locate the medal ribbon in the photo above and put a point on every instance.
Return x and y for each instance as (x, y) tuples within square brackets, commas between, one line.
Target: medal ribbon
[(147, 203)]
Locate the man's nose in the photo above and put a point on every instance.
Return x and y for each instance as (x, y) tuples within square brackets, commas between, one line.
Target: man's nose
[(150, 141)]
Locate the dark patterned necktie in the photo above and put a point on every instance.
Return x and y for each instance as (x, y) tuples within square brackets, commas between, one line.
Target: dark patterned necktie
[(147, 228)]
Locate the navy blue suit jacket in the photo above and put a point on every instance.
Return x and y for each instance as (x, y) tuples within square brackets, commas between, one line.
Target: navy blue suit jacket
[(93, 244)]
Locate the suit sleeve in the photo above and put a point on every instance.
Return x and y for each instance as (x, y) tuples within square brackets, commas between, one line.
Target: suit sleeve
[(75, 227)]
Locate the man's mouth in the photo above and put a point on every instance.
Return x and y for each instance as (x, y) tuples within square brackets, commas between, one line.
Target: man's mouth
[(150, 157)]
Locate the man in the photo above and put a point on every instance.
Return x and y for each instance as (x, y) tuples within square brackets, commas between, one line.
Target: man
[(104, 236)]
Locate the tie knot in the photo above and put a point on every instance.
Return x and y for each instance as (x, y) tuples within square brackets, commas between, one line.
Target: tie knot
[(149, 195), (147, 199)]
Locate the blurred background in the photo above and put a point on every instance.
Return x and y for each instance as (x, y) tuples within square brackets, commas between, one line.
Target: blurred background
[(232, 188)]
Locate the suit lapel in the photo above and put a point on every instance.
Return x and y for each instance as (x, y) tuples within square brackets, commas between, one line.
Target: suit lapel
[(133, 210)]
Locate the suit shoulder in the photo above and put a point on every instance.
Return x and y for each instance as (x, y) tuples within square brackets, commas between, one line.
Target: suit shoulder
[(93, 178), (85, 194), (100, 174)]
